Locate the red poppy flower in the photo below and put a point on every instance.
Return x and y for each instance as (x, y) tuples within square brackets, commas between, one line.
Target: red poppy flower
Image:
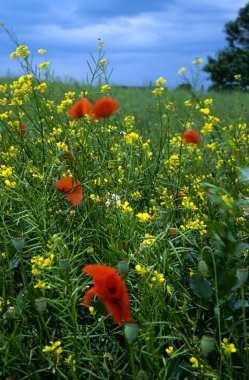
[(191, 136), (71, 188), (81, 107), (105, 107), (111, 289), (21, 128)]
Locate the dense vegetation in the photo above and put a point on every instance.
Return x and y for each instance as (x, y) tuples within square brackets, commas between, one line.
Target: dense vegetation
[(158, 193)]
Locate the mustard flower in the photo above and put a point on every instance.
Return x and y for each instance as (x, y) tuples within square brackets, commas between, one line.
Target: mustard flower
[(143, 216), (44, 65), (195, 362), (103, 62), (41, 51), (197, 61), (71, 362), (237, 77), (105, 88), (182, 70), (142, 270), (54, 347), (229, 348), (160, 81), (169, 350), (158, 91), (148, 239), (21, 51)]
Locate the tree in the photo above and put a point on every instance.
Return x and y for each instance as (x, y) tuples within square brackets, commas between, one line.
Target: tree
[(230, 68)]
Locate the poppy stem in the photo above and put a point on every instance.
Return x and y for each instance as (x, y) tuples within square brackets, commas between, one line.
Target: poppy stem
[(132, 362)]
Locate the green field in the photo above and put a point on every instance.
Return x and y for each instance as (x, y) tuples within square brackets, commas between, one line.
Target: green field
[(127, 191)]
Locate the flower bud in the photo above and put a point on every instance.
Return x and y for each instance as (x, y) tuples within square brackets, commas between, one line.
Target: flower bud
[(242, 275), (41, 305), (64, 264), (18, 243), (203, 268), (123, 267), (172, 232), (207, 344), (131, 331)]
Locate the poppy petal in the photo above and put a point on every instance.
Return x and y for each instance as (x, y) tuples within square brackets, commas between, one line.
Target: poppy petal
[(71, 188), (105, 107), (88, 296), (81, 107)]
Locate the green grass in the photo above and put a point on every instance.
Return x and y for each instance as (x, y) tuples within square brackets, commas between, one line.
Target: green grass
[(187, 255)]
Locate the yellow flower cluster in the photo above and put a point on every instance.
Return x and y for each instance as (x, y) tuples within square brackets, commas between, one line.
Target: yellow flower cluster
[(21, 51), (20, 90), (2, 304), (143, 216), (131, 137), (158, 277), (195, 225), (148, 239), (229, 348), (142, 270), (54, 347), (126, 208), (105, 88), (7, 174), (158, 91), (67, 102), (187, 203), (40, 262)]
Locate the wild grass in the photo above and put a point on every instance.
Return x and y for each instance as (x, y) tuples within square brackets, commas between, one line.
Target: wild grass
[(171, 217)]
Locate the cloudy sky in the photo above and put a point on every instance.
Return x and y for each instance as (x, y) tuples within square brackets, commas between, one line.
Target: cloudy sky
[(143, 39)]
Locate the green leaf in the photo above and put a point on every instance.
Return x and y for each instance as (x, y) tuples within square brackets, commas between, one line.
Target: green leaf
[(200, 286)]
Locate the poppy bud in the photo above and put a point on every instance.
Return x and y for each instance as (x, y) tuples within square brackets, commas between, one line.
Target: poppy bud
[(141, 375), (41, 305), (131, 331), (180, 194), (203, 268), (242, 275), (207, 344), (64, 264), (123, 267), (18, 243), (172, 232)]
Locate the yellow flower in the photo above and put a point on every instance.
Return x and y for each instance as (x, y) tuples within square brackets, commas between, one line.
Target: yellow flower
[(229, 348), (21, 51), (197, 61), (44, 65), (182, 70), (105, 88), (148, 239), (169, 350), (54, 346), (158, 91), (237, 76), (142, 270), (92, 311), (160, 81), (71, 362), (41, 51), (195, 362), (143, 216)]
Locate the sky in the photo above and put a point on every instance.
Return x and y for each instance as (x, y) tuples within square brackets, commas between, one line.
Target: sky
[(142, 39)]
